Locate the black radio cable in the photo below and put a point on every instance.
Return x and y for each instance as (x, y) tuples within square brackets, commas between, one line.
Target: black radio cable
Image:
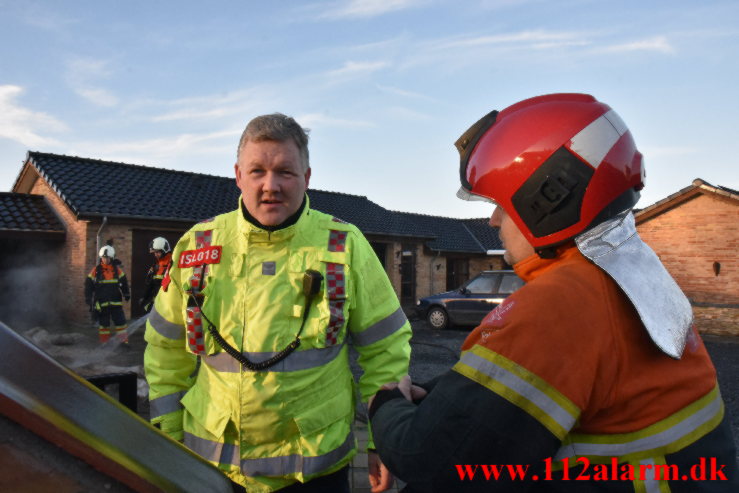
[(311, 285)]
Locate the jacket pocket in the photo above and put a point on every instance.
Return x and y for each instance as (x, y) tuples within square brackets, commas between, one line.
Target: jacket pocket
[(330, 411), (205, 413)]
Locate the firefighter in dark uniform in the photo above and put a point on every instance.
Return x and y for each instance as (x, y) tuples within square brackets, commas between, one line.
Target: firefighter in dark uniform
[(592, 376), (159, 247), (105, 288)]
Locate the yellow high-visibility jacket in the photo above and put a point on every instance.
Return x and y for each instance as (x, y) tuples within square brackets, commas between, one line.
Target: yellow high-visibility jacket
[(291, 422)]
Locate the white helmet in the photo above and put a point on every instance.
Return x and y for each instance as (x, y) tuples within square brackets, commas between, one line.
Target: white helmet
[(159, 243), (107, 251)]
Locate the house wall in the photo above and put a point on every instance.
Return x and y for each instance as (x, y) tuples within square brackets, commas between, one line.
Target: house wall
[(431, 273), (479, 264), (689, 239), (71, 257)]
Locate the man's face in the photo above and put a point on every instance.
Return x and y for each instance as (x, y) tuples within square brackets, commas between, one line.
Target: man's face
[(516, 246), (158, 254), (271, 180), (105, 260)]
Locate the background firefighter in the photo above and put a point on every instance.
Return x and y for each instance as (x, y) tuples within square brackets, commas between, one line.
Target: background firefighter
[(159, 247), (105, 288)]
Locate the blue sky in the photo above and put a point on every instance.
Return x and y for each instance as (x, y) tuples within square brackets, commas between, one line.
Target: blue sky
[(386, 86)]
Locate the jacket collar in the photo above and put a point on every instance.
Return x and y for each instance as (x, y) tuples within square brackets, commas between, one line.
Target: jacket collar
[(532, 267), (258, 233)]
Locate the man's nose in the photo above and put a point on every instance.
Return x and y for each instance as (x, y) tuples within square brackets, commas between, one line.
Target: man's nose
[(495, 219), (271, 182)]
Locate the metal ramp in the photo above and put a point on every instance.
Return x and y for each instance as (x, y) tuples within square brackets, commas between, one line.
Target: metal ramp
[(54, 403)]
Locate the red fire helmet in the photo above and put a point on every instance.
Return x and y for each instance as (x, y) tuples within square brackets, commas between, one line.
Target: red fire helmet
[(558, 164)]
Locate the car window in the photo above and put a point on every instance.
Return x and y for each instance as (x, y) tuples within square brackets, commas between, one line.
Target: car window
[(509, 284), (482, 285)]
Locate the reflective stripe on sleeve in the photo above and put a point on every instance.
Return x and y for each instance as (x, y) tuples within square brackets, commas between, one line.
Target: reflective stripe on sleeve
[(299, 360), (521, 388), (662, 438), (268, 466), (380, 330), (164, 327), (165, 404)]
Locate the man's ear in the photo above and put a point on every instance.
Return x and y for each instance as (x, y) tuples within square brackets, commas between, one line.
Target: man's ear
[(307, 177), (237, 173)]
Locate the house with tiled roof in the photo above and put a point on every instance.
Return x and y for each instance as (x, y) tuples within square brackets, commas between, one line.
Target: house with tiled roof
[(76, 205), (695, 232)]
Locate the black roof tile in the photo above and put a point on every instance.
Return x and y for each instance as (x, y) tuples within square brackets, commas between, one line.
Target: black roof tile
[(24, 212), (454, 235)]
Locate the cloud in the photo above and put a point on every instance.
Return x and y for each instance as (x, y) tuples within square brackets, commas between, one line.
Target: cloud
[(242, 102), (351, 69), (81, 75), (402, 92), (311, 120), (366, 8), (548, 38), (22, 124), (658, 44)]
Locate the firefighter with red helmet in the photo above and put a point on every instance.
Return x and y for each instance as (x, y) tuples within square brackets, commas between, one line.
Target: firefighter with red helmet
[(591, 371), (159, 247), (105, 287)]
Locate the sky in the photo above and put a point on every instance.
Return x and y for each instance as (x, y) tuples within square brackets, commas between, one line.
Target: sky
[(385, 86)]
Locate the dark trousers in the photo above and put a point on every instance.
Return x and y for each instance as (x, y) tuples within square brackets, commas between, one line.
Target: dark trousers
[(336, 482)]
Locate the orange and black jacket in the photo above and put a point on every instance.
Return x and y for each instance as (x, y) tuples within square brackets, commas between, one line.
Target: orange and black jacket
[(154, 277), (561, 375), (106, 285)]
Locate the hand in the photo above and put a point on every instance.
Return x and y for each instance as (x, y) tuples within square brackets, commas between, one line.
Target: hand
[(379, 477), (127, 297), (410, 392)]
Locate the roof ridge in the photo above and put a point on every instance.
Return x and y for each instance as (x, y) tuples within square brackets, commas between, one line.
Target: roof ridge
[(120, 163), (435, 216), (342, 193)]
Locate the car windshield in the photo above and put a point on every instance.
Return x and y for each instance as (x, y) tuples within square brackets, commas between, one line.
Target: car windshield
[(482, 285), (509, 284)]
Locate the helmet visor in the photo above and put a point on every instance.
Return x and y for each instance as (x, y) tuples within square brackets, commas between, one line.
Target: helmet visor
[(466, 143)]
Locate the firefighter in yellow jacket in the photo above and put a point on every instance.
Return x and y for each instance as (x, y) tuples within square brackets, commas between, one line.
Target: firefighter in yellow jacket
[(247, 356)]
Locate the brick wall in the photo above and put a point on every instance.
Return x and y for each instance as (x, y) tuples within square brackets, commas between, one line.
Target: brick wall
[(690, 239), (480, 264)]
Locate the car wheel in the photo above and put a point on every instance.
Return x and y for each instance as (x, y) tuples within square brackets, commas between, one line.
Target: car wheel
[(437, 318)]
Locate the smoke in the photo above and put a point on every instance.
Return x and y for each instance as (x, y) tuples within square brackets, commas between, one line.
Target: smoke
[(29, 284)]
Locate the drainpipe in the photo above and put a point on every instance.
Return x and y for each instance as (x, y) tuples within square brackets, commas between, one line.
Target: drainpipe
[(105, 221)]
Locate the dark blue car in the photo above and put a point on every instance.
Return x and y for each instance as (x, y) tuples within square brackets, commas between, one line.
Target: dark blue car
[(469, 304)]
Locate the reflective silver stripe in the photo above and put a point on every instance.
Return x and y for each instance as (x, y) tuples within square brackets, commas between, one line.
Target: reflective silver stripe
[(108, 281), (523, 388), (165, 404), (651, 485), (225, 453), (299, 360), (380, 330), (291, 464), (164, 327), (593, 142), (222, 453), (666, 437)]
